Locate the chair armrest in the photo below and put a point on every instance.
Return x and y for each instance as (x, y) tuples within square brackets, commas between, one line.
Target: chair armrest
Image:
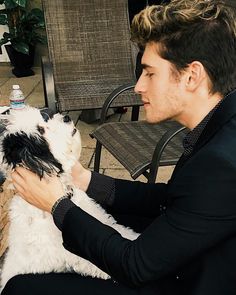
[(48, 84), (162, 143), (111, 98)]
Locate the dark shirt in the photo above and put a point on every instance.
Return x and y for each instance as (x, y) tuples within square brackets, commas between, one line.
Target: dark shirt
[(192, 137), (102, 188)]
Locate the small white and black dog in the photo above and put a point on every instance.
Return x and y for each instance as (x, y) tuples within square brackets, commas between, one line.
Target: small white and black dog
[(46, 147)]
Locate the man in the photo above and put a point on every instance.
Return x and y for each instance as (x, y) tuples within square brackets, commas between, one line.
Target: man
[(189, 75)]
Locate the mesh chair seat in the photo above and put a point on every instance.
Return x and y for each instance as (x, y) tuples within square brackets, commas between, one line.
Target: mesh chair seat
[(133, 143), (92, 95)]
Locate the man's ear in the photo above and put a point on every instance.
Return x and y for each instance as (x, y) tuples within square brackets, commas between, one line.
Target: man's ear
[(31, 152), (195, 75)]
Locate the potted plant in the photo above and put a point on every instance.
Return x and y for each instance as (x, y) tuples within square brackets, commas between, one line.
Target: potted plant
[(25, 31)]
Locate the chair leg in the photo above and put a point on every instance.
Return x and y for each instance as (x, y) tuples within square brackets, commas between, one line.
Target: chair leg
[(151, 178), (135, 113), (48, 85), (97, 158)]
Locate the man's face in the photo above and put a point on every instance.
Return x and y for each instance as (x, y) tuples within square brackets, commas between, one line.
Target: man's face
[(163, 93)]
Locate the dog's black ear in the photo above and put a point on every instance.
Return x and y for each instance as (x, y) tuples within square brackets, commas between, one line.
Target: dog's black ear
[(31, 151)]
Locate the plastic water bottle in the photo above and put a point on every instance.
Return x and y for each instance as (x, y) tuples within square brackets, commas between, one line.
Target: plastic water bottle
[(17, 98)]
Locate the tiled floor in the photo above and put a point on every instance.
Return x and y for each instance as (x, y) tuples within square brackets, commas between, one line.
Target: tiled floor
[(33, 91)]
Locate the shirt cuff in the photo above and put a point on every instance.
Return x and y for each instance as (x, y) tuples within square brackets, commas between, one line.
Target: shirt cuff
[(59, 210), (102, 189)]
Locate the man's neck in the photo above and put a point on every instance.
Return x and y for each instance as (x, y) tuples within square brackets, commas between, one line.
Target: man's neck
[(197, 109)]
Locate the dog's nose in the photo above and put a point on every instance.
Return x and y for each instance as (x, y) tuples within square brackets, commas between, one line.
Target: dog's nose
[(74, 131), (66, 119)]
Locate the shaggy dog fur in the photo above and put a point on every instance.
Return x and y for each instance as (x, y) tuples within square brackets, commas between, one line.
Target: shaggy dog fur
[(46, 147)]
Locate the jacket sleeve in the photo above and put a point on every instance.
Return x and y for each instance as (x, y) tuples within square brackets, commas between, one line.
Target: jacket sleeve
[(137, 198), (201, 215), (127, 197)]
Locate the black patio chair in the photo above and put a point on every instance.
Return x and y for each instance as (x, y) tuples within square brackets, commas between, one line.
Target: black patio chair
[(139, 146), (90, 54)]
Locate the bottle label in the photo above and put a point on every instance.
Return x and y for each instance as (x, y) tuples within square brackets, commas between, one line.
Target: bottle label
[(17, 99), (17, 104)]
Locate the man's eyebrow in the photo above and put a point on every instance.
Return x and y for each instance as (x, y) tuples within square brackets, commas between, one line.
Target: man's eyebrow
[(146, 66)]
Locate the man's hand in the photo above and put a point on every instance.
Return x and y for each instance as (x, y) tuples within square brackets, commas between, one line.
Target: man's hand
[(42, 193)]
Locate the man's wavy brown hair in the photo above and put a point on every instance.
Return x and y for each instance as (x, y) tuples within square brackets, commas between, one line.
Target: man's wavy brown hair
[(192, 30)]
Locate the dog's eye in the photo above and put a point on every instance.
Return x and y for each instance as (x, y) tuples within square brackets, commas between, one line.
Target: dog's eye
[(41, 130), (66, 119), (74, 131)]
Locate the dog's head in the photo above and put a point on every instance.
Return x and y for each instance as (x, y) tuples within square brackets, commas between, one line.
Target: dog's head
[(42, 144)]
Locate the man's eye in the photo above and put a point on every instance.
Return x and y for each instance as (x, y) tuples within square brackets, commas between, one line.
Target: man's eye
[(149, 74)]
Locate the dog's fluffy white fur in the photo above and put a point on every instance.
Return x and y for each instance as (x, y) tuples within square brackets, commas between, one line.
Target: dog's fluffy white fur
[(35, 243)]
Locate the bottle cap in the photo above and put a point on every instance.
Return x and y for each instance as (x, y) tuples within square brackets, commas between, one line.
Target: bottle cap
[(15, 87)]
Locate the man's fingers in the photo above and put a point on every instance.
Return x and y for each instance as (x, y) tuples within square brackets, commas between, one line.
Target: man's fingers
[(16, 177), (19, 182), (23, 171)]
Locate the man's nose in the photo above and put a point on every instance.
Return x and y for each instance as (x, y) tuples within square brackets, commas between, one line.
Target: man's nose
[(139, 87)]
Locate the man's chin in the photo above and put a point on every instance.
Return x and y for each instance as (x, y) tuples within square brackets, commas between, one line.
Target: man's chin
[(155, 120)]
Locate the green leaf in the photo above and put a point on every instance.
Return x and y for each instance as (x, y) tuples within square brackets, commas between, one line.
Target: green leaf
[(3, 19), (3, 41), (15, 3), (37, 12), (10, 4), (5, 38), (21, 47), (21, 3), (36, 17), (40, 25), (38, 38)]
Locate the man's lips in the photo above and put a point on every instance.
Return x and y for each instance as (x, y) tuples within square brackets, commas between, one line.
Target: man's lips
[(145, 102)]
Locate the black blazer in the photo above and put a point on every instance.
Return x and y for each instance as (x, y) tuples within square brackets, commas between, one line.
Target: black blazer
[(191, 247)]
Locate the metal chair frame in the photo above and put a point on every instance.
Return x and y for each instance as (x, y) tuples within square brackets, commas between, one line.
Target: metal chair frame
[(150, 169)]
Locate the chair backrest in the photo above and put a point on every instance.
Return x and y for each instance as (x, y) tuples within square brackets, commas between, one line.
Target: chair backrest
[(90, 49)]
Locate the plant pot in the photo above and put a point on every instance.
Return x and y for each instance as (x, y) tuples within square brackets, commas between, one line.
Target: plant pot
[(21, 62)]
